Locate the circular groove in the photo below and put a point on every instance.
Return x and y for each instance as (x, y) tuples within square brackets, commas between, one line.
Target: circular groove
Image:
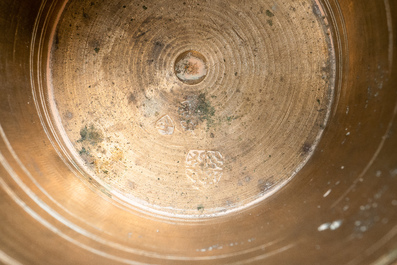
[(216, 147)]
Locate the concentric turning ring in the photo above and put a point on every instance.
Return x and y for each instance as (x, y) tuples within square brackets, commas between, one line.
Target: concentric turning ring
[(192, 109)]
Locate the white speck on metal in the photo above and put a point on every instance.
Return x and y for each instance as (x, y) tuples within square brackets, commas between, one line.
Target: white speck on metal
[(327, 193), (324, 227), (331, 226), (335, 225)]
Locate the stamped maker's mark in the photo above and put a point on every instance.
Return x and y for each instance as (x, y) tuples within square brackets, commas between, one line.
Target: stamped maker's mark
[(204, 168), (165, 125)]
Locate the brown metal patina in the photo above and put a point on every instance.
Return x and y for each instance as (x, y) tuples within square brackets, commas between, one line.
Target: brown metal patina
[(198, 132)]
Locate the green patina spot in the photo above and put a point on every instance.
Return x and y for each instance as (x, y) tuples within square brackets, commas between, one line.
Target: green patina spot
[(229, 119), (83, 151), (196, 109), (90, 135), (205, 110), (269, 13)]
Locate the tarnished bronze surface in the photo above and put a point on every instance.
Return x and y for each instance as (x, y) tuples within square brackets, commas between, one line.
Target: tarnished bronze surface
[(198, 132), (245, 118)]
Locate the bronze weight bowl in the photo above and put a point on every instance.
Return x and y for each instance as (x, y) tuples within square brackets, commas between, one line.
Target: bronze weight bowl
[(198, 132)]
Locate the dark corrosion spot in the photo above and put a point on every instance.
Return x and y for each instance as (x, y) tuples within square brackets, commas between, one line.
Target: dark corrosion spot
[(90, 135), (306, 147), (269, 13), (131, 98)]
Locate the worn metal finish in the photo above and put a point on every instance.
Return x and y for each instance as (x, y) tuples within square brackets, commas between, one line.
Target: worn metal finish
[(186, 132), (245, 118)]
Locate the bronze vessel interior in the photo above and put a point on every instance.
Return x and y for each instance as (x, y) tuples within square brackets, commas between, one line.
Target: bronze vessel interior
[(198, 132)]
